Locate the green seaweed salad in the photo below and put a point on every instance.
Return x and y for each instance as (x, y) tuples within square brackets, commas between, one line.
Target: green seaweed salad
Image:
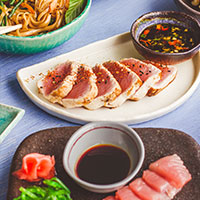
[(54, 189)]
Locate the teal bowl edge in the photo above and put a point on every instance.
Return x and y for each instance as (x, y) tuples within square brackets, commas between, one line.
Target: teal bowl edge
[(19, 113), (40, 43)]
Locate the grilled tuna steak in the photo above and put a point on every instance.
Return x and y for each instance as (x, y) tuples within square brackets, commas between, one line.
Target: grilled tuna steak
[(108, 88), (168, 74), (148, 74), (84, 89), (127, 79), (58, 83)]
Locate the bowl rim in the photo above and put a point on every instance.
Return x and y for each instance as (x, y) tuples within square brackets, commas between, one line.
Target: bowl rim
[(77, 134), (188, 7), (48, 34), (157, 13)]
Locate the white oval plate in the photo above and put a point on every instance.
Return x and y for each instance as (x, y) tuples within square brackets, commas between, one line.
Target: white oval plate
[(114, 48)]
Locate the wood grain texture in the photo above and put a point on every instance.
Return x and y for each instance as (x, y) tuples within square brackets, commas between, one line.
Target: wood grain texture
[(157, 142)]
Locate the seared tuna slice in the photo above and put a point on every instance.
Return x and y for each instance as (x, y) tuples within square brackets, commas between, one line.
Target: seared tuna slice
[(84, 89), (148, 73), (168, 74), (127, 79), (58, 83), (108, 88)]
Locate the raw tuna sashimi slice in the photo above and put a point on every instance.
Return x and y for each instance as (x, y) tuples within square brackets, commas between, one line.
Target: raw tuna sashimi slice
[(141, 189), (58, 83), (126, 193), (159, 184), (109, 198), (168, 74), (127, 79), (108, 88), (148, 73), (172, 169), (35, 167), (84, 89)]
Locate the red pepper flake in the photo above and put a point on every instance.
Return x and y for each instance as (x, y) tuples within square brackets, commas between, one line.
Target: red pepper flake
[(164, 29), (146, 32), (145, 42)]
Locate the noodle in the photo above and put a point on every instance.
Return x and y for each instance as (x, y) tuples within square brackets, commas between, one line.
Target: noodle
[(36, 16)]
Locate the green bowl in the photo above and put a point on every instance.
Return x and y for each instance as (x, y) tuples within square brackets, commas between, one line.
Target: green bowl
[(9, 117), (39, 43)]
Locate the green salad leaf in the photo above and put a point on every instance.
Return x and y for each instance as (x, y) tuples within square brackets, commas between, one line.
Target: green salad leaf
[(75, 8)]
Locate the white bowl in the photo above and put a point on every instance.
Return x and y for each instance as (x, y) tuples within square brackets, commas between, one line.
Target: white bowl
[(96, 133)]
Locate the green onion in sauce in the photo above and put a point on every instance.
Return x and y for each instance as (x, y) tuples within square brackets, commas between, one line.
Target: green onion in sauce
[(167, 38)]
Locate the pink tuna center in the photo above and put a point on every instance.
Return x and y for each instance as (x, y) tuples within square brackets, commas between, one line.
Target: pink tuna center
[(104, 83), (81, 85), (140, 69), (55, 78), (122, 75)]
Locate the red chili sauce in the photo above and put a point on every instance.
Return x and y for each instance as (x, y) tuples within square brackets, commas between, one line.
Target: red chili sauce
[(103, 164)]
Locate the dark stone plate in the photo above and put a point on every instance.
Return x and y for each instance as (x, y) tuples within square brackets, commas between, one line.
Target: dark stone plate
[(157, 142)]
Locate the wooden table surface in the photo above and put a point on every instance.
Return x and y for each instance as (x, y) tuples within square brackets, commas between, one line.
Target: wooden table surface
[(106, 18)]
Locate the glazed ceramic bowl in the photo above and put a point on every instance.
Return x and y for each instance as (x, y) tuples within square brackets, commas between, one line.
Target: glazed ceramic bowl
[(43, 42), (171, 17), (186, 6), (98, 133)]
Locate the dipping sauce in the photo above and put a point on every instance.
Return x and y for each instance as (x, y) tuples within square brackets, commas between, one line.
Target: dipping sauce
[(196, 4), (167, 38), (103, 164)]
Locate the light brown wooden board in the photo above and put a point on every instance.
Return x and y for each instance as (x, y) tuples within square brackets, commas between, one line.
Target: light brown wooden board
[(157, 142)]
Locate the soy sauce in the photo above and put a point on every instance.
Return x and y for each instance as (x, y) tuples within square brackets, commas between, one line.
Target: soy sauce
[(103, 164)]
